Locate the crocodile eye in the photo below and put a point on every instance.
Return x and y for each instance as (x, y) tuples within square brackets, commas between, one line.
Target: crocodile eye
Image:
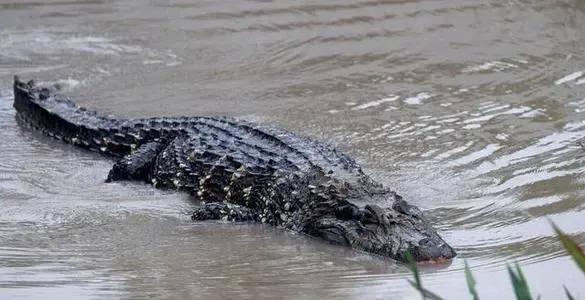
[(372, 214), (369, 218)]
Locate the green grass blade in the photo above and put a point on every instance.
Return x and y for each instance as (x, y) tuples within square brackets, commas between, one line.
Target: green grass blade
[(521, 275), (569, 296), (426, 294), (470, 282), (519, 283), (412, 266), (417, 283), (572, 247)]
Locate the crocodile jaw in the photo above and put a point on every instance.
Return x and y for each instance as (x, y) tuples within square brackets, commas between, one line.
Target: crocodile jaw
[(392, 236)]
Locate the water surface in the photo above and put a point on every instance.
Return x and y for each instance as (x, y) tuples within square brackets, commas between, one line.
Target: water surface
[(471, 110)]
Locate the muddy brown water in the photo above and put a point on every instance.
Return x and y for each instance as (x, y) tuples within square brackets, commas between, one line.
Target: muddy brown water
[(469, 109)]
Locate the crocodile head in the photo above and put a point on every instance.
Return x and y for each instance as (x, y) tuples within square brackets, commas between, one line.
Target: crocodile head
[(385, 231)]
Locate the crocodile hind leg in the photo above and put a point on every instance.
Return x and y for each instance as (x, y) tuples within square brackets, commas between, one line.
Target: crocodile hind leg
[(136, 165), (224, 211)]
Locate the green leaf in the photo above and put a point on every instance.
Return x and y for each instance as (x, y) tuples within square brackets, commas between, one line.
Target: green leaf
[(426, 294), (519, 283), (417, 283), (470, 282), (572, 247), (569, 296), (412, 266)]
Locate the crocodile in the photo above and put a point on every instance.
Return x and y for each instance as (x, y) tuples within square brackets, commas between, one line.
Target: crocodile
[(242, 171)]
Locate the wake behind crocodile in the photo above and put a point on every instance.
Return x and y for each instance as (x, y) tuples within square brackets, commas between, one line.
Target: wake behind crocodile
[(242, 171)]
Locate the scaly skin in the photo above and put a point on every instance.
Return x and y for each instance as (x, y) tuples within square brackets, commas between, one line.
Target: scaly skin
[(243, 171)]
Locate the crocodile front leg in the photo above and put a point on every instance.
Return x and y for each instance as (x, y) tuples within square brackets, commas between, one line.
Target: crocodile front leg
[(136, 165), (224, 211)]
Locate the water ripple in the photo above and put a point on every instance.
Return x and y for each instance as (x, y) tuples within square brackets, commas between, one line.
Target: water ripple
[(477, 124)]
